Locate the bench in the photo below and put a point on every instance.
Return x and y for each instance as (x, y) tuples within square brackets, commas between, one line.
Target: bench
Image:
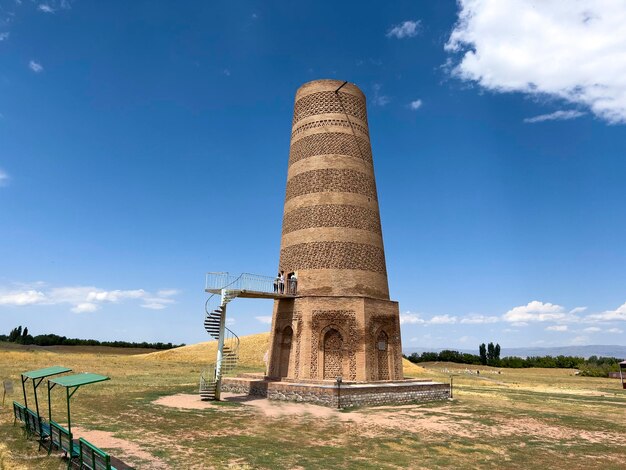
[(36, 426), (92, 457), (19, 413), (61, 438)]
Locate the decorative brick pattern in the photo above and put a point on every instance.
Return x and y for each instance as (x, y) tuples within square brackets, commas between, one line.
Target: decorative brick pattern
[(327, 123), (297, 320), (332, 215), (389, 326), (333, 355), (328, 143), (333, 255), (325, 102), (331, 180), (382, 350), (324, 320)]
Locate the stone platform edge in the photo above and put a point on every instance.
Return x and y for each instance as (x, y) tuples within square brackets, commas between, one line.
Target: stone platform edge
[(346, 396)]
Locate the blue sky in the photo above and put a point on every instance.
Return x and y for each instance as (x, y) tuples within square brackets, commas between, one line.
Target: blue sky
[(143, 144)]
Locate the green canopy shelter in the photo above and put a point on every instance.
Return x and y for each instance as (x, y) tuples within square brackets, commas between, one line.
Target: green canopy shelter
[(71, 383), (37, 376)]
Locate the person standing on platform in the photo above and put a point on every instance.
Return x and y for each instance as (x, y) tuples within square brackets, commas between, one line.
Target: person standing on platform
[(293, 281)]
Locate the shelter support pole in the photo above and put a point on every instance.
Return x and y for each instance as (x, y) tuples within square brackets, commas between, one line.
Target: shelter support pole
[(24, 390), (69, 424), (49, 402), (35, 386)]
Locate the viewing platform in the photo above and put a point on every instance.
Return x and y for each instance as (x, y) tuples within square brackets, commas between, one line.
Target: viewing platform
[(251, 286)]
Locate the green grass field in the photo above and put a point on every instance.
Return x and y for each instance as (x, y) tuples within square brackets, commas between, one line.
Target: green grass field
[(521, 418)]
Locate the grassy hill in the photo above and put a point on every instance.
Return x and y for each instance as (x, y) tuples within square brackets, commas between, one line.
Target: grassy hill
[(251, 351)]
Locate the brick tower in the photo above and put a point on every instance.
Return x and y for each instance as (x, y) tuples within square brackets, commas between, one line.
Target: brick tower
[(342, 322)]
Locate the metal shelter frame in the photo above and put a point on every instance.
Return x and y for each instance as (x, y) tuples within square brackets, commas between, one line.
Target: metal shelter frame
[(72, 382), (37, 377)]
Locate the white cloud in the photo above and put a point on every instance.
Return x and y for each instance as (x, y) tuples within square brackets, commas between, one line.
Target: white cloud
[(53, 5), (619, 314), (576, 310), (378, 99), (35, 66), (475, 319), (556, 116), (572, 51), (408, 318), (406, 29), (4, 36), (115, 295), (4, 178), (557, 328), (592, 329), (17, 298), (579, 340), (614, 330), (535, 311), (154, 305), (82, 298), (266, 319), (414, 105), (442, 320), (85, 307)]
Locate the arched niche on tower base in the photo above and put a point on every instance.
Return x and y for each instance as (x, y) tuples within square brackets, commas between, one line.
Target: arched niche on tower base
[(332, 352), (382, 349), (285, 342)]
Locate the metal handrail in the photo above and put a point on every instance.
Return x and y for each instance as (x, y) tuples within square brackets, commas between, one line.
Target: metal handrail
[(247, 282)]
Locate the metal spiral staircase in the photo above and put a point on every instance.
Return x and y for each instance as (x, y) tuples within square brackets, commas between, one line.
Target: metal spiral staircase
[(214, 321), (223, 288)]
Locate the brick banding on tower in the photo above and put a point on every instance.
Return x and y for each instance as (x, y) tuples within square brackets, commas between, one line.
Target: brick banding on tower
[(327, 102), (331, 180), (332, 215), (329, 123), (338, 143), (333, 255)]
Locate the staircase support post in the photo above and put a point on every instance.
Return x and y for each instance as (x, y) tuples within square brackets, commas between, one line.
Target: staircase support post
[(220, 347)]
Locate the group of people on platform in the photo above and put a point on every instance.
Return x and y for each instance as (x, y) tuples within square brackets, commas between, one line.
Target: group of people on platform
[(288, 287)]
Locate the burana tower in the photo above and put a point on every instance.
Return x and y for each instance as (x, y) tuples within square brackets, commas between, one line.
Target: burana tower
[(341, 323), (335, 337)]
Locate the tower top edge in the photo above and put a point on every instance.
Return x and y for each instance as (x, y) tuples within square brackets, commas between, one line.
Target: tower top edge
[(327, 84)]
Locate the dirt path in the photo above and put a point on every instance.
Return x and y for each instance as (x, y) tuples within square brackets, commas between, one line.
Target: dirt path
[(126, 451), (377, 421)]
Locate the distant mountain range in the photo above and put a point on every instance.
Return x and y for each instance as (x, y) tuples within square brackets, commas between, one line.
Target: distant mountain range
[(580, 351)]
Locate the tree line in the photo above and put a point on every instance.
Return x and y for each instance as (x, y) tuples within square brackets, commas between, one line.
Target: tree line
[(21, 335), (489, 355)]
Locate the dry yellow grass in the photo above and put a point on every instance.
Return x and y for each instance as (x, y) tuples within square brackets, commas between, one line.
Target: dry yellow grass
[(530, 418), (251, 351), (7, 461)]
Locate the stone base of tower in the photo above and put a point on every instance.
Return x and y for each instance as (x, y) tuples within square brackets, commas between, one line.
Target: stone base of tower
[(322, 338), (343, 396)]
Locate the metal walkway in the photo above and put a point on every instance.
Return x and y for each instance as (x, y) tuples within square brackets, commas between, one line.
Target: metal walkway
[(250, 286)]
